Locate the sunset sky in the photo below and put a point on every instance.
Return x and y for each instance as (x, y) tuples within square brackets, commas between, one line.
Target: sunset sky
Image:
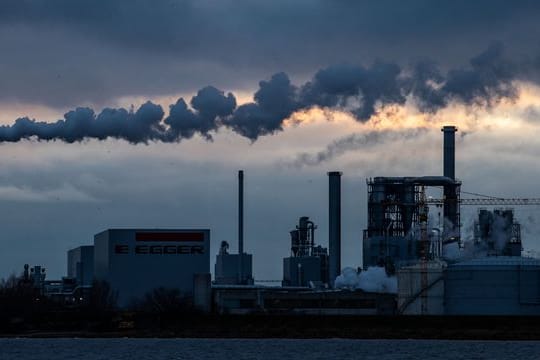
[(286, 90)]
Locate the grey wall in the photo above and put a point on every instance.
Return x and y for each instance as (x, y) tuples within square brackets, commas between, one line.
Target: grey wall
[(492, 290)]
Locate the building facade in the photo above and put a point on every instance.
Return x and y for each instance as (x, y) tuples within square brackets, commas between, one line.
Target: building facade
[(136, 261)]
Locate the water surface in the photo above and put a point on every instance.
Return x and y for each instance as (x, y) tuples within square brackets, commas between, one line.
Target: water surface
[(232, 349)]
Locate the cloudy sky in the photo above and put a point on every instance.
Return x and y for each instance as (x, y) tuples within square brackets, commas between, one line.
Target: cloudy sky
[(139, 114)]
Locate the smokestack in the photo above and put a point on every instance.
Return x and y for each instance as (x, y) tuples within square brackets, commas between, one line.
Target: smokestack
[(240, 211), (451, 206), (240, 225), (449, 151), (334, 225)]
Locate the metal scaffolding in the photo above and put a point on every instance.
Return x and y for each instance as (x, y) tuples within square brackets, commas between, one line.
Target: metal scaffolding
[(394, 207)]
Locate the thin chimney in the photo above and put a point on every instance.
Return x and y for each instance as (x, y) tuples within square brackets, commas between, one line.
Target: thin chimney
[(334, 225), (449, 151), (240, 226)]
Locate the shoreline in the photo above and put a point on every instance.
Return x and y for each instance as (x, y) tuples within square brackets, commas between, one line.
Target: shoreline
[(304, 327)]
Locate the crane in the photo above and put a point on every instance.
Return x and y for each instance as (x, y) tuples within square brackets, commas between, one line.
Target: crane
[(489, 201)]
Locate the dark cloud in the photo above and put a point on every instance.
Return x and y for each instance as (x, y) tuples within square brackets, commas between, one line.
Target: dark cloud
[(356, 89), (81, 123), (182, 120), (209, 104), (489, 78), (274, 102), (63, 53), (335, 85), (425, 83)]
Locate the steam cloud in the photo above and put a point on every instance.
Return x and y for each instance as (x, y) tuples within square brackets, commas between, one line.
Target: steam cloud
[(356, 89), (374, 279)]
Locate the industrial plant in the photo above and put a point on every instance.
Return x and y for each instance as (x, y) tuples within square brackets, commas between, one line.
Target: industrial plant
[(415, 260)]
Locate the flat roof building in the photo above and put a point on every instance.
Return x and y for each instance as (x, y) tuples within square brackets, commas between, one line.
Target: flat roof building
[(136, 261)]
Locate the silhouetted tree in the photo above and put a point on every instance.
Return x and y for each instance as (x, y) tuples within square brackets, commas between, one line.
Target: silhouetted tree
[(102, 297), (163, 300), (17, 296)]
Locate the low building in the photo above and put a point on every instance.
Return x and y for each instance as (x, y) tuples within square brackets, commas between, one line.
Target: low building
[(297, 300), (233, 269)]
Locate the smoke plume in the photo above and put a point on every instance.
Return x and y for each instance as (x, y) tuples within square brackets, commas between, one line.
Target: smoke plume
[(354, 142), (374, 279), (355, 89)]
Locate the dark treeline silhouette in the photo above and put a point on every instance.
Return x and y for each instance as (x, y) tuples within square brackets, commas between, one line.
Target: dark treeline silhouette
[(167, 313), (25, 309), (162, 300)]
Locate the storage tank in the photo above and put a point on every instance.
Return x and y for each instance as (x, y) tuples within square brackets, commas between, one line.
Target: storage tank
[(497, 285), (421, 288)]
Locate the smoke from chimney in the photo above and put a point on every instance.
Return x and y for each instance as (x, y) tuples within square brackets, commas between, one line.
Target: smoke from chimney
[(356, 89)]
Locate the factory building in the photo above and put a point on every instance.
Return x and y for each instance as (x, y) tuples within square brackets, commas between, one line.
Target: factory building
[(308, 264), (495, 285), (487, 276), (136, 261), (394, 214), (80, 265), (391, 238), (227, 268)]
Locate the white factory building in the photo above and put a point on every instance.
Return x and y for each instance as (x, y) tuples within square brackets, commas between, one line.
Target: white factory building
[(136, 261)]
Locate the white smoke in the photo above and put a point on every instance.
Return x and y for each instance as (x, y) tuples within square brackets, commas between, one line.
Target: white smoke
[(495, 243), (499, 232), (374, 279), (452, 251)]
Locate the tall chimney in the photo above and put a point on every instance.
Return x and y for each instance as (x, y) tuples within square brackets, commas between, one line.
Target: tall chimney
[(451, 206), (241, 211), (449, 152), (334, 225), (240, 225)]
